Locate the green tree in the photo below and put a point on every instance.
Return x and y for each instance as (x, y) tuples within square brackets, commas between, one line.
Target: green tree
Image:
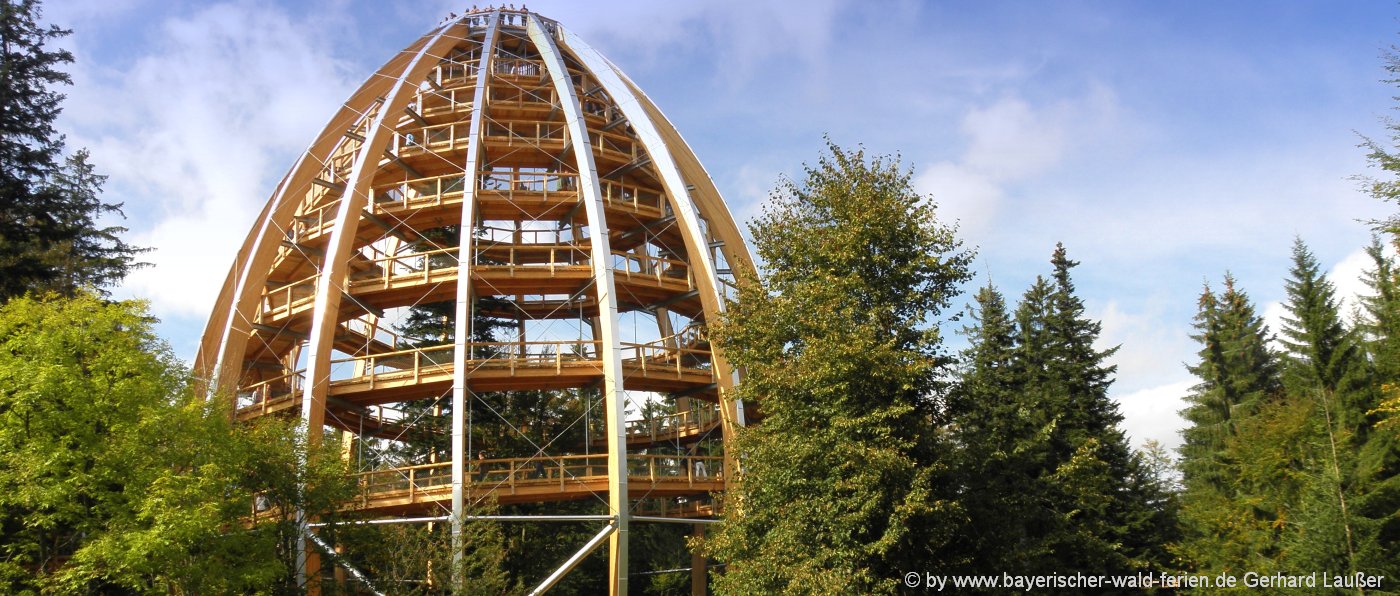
[(1224, 530), (1322, 354), (1001, 443), (1385, 157), (50, 239), (1325, 367), (1237, 371), (1108, 512), (838, 344), (113, 477)]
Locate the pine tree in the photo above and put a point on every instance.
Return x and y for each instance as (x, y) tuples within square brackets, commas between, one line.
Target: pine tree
[(50, 239), (1000, 444), (1325, 368), (1049, 482), (1120, 521), (1386, 157), (838, 345), (1323, 355), (1224, 530), (1237, 371)]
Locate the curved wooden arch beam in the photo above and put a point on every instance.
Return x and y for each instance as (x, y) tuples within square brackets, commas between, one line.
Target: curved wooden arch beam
[(225, 339), (330, 283), (706, 196), (613, 395), (464, 295), (686, 213)]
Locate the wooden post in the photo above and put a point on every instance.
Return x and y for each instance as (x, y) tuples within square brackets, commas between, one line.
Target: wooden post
[(698, 570)]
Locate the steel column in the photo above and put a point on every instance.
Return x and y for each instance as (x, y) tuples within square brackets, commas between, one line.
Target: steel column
[(611, 351), (464, 310)]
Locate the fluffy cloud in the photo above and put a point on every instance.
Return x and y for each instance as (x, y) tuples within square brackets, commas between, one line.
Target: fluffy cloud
[(1010, 141), (195, 133), (1152, 414)]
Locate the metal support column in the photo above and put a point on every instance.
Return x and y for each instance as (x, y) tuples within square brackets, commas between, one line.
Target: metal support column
[(331, 282), (601, 257), (464, 310)]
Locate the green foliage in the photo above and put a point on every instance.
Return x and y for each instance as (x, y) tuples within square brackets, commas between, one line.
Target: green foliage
[(1229, 522), (1292, 477), (113, 479), (49, 236), (836, 341), (1385, 157), (417, 558), (1048, 481)]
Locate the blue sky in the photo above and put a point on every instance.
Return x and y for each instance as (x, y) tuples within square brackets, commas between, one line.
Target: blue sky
[(1163, 143)]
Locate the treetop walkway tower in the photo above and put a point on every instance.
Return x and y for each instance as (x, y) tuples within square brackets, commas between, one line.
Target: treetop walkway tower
[(500, 167)]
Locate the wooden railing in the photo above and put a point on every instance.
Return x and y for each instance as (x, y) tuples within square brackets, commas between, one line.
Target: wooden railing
[(516, 67), (438, 359), (258, 398), (491, 235), (263, 397), (530, 132), (375, 332), (660, 268), (659, 355), (282, 300), (403, 267), (563, 472), (689, 507), (527, 181), (432, 102), (519, 96), (418, 192), (433, 137), (673, 426), (617, 193), (532, 255)]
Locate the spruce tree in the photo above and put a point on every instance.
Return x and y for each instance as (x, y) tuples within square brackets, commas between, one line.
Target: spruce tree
[(1224, 529), (839, 345), (1118, 519), (1000, 444), (1237, 371), (1325, 369), (1323, 356), (50, 239)]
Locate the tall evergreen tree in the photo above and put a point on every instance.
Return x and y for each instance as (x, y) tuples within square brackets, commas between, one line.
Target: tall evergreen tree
[(839, 345), (1237, 371), (1325, 368), (1117, 519), (1000, 445), (1323, 356), (1046, 473), (1226, 519), (50, 239)]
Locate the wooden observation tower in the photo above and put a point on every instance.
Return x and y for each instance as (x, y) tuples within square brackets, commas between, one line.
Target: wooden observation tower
[(503, 170)]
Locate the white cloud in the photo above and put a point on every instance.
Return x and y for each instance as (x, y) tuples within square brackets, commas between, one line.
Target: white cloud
[(195, 133), (1274, 312), (1010, 141), (1152, 414), (1153, 348), (1346, 277), (964, 195)]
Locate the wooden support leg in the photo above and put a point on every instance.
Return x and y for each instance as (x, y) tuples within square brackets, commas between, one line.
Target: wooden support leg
[(698, 571)]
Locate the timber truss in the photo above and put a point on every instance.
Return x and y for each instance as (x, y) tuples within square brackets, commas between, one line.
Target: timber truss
[(581, 224)]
